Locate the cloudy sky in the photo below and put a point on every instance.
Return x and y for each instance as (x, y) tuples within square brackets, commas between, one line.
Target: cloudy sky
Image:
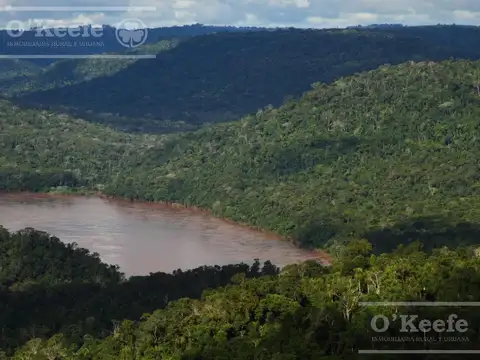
[(298, 13)]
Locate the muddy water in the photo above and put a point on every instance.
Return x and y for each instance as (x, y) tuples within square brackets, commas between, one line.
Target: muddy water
[(141, 238)]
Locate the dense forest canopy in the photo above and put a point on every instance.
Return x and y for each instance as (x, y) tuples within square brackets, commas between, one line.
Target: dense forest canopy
[(40, 150), (48, 287), (376, 155), (51, 308)]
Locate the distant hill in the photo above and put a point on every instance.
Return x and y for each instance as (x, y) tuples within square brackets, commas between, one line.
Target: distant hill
[(11, 68), (24, 74), (221, 77), (376, 26), (25, 43), (73, 71)]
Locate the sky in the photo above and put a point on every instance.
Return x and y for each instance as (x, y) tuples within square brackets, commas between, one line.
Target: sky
[(270, 13)]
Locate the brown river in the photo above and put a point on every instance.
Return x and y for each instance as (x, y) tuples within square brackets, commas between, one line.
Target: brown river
[(143, 238)]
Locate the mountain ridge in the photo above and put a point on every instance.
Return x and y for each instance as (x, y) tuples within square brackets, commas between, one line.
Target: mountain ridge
[(221, 77)]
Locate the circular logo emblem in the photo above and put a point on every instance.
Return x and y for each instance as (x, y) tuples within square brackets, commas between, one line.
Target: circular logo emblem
[(131, 33)]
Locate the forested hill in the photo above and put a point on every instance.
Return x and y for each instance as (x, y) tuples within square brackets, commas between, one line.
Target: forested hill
[(40, 150), (59, 302), (390, 155), (459, 36), (48, 287), (220, 77), (10, 68)]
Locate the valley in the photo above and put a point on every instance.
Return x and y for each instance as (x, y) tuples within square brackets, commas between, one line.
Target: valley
[(362, 143)]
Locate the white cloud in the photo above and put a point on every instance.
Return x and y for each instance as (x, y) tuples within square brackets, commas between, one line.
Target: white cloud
[(301, 13)]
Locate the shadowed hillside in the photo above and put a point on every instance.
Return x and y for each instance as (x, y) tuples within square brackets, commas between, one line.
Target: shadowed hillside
[(73, 71), (221, 77), (105, 40)]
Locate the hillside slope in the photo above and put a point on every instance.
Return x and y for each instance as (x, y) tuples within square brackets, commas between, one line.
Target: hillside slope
[(10, 68), (221, 77), (47, 286), (73, 71), (391, 155), (41, 149), (71, 306)]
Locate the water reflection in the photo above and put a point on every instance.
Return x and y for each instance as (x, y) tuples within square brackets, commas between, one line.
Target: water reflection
[(142, 238)]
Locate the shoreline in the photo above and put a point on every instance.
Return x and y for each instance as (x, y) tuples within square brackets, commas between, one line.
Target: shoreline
[(316, 254)]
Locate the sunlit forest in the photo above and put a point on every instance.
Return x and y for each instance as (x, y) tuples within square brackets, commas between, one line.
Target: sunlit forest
[(61, 302)]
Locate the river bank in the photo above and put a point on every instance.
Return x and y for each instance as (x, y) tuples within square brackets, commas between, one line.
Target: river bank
[(315, 254)]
